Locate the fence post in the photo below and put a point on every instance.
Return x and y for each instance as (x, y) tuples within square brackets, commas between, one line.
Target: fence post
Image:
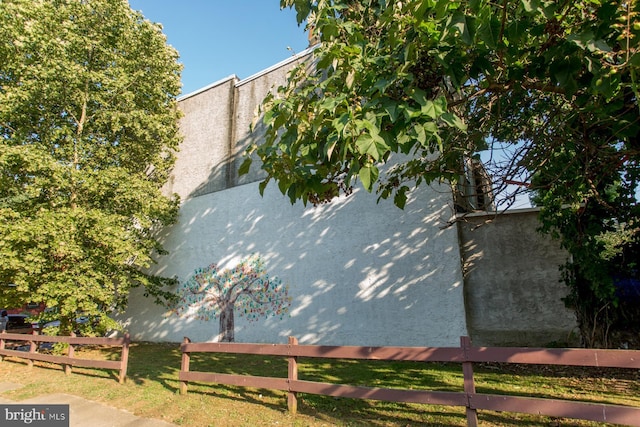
[(124, 359), (2, 343), (70, 353), (292, 396), (32, 347), (186, 358), (469, 385)]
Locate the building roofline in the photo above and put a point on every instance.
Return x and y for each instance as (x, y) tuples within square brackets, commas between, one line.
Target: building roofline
[(259, 74), (508, 211), (207, 87), (280, 64)]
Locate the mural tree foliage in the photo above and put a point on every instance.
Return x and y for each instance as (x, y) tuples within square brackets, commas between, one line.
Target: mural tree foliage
[(247, 288)]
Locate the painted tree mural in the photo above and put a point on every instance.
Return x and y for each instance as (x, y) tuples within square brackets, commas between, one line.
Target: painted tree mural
[(247, 288)]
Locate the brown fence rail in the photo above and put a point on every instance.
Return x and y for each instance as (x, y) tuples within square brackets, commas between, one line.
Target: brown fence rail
[(70, 359), (465, 355)]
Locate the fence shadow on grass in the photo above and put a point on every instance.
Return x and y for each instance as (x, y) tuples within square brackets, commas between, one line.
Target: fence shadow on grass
[(156, 368), (150, 363), (158, 362), (466, 396)]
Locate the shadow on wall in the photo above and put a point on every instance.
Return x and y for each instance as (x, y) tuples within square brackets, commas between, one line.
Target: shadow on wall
[(224, 175), (360, 273)]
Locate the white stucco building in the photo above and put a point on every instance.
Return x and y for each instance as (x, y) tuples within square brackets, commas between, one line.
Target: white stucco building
[(359, 272)]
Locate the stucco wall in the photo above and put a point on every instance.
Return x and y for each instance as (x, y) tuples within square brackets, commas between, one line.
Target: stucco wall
[(360, 273), (249, 94), (512, 282), (216, 127), (202, 165)]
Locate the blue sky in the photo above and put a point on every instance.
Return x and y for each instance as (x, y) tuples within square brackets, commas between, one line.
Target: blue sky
[(217, 38)]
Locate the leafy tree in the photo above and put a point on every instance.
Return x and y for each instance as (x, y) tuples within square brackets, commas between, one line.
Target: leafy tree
[(88, 126), (602, 236), (444, 80), (211, 293), (545, 89)]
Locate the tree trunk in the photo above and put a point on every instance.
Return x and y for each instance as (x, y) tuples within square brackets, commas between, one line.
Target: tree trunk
[(226, 325)]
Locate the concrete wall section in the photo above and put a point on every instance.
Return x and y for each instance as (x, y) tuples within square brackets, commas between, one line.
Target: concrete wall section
[(202, 165), (249, 95), (360, 273), (512, 282), (216, 128)]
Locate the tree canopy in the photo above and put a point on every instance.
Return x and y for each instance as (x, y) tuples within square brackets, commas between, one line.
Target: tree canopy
[(88, 129), (444, 80), (545, 93)]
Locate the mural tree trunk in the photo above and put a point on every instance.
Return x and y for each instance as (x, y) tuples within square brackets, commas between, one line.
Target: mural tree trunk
[(227, 326), (211, 293)]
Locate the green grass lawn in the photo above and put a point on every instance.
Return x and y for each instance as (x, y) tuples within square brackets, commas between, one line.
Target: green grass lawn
[(152, 389)]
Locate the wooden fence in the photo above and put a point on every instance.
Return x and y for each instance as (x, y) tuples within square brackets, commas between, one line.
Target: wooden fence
[(70, 359), (466, 355)]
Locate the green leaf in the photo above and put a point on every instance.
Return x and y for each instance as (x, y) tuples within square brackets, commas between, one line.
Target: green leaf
[(391, 108), (292, 193), (332, 142), (329, 104), (420, 96), (489, 32), (516, 30), (382, 84), (588, 42), (400, 197), (262, 186), (607, 85), (328, 32), (368, 175), (283, 185), (433, 109), (373, 145), (453, 121), (430, 110), (531, 5), (421, 135), (464, 25), (245, 166), (340, 122)]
